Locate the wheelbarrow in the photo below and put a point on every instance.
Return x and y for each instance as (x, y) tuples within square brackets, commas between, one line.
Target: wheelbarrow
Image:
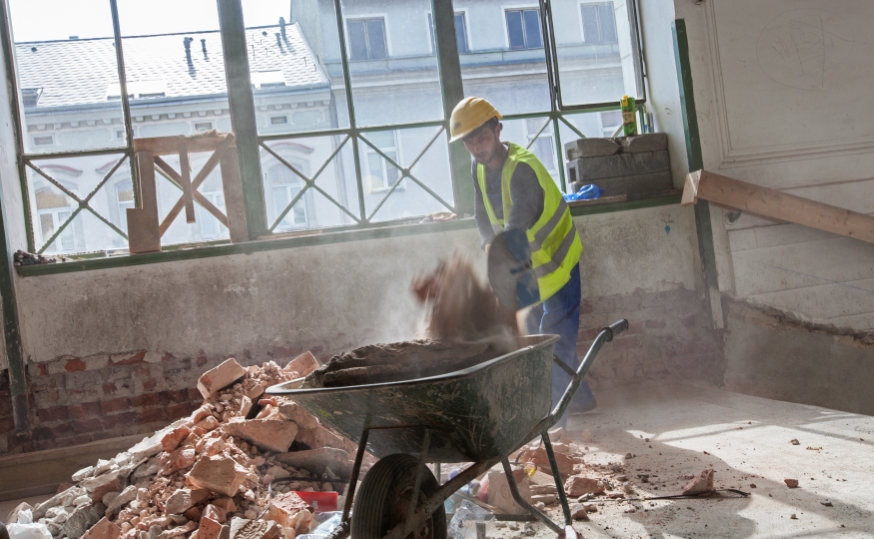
[(481, 414)]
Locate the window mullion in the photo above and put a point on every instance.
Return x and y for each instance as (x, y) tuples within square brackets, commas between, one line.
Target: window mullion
[(452, 89)]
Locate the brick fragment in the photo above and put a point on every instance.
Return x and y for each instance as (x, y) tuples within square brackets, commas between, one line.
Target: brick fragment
[(297, 413), (702, 483), (303, 364), (219, 474), (577, 485), (184, 499), (210, 529), (254, 529), (215, 513), (499, 491), (172, 439), (220, 377), (180, 459), (578, 512), (267, 434), (290, 511), (102, 490), (104, 529), (538, 458), (791, 483)]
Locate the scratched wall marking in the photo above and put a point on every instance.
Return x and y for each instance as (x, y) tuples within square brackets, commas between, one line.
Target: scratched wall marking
[(805, 48)]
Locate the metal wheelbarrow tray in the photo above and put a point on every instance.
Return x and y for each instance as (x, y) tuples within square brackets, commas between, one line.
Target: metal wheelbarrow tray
[(481, 414)]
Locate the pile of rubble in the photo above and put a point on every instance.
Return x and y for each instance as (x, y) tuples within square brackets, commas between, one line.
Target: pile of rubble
[(239, 467), (23, 258)]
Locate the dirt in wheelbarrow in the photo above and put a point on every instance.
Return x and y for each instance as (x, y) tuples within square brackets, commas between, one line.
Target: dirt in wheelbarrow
[(464, 326)]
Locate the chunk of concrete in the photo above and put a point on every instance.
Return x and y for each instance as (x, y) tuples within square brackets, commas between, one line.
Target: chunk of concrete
[(82, 519), (267, 434), (219, 474), (318, 460), (591, 147), (578, 512), (220, 377), (303, 364), (577, 485), (702, 483), (184, 499)]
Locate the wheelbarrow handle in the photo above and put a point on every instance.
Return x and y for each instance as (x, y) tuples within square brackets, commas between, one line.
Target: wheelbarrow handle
[(606, 334)]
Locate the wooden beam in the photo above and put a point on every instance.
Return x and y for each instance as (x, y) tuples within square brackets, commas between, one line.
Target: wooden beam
[(774, 204), (174, 177)]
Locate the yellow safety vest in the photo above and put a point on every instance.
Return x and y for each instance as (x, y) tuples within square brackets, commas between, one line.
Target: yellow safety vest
[(555, 244)]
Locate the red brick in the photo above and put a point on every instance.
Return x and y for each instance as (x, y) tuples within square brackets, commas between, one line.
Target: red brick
[(53, 414), (149, 384), (74, 364), (175, 411), (178, 395), (690, 320), (146, 399), (115, 405), (194, 394), (627, 343), (150, 415), (201, 361), (84, 410), (109, 388), (656, 324), (87, 425), (7, 424), (142, 372), (115, 420), (43, 369), (586, 307), (132, 360)]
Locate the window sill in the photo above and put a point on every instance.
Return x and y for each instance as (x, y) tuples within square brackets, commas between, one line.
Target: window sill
[(323, 237)]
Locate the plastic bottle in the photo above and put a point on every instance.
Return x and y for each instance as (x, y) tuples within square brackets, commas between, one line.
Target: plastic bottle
[(629, 116), (466, 512)]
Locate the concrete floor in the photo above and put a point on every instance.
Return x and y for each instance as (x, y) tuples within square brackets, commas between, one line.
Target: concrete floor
[(746, 440)]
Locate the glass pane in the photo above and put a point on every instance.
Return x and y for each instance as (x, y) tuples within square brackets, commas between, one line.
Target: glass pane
[(398, 82), (514, 30), (591, 29), (67, 67), (608, 23), (310, 155), (357, 40), (532, 29), (409, 200), (51, 206), (376, 39), (460, 33), (594, 52), (168, 66), (291, 78)]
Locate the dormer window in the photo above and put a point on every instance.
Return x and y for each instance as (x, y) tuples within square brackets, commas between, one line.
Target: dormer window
[(30, 96), (268, 79)]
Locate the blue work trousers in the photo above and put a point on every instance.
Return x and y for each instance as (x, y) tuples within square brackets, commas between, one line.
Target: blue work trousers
[(560, 315)]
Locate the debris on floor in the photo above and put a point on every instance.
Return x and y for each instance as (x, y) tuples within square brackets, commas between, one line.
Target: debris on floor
[(700, 484), (227, 470), (791, 483)]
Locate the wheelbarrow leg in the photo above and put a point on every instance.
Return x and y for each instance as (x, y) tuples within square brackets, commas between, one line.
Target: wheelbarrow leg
[(342, 531), (559, 486), (420, 471), (514, 490)]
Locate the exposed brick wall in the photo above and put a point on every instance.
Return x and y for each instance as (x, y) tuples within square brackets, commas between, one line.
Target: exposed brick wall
[(76, 400), (669, 337)]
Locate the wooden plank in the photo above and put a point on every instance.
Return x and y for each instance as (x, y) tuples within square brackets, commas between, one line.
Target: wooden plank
[(174, 177), (199, 179), (185, 182), (143, 232), (775, 204), (235, 205), (206, 142)]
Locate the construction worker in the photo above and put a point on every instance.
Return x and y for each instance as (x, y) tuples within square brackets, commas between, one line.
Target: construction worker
[(514, 192)]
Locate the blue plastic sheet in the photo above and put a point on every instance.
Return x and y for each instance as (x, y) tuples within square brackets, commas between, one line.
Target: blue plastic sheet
[(586, 192)]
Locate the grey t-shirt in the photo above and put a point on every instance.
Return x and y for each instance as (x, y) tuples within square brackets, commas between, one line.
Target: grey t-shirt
[(527, 198)]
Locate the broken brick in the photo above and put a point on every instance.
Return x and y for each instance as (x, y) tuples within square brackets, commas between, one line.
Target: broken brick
[(267, 434), (180, 459), (578, 512), (702, 483), (210, 529), (303, 364), (218, 474), (791, 483), (172, 439), (577, 485), (290, 511), (184, 499), (104, 529), (254, 529), (220, 377)]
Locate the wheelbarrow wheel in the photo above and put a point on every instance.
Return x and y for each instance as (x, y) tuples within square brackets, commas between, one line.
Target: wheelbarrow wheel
[(383, 500)]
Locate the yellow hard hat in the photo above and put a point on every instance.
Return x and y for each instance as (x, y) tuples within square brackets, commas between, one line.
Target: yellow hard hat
[(468, 114)]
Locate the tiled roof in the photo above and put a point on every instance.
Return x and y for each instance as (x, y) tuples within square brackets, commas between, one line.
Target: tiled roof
[(79, 72)]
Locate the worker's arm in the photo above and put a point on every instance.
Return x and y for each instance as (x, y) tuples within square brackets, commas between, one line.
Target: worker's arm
[(486, 232)]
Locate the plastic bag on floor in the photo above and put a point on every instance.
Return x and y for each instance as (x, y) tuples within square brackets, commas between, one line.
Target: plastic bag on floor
[(26, 529), (466, 512)]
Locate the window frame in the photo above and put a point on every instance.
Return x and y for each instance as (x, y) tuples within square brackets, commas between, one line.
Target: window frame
[(370, 153), (580, 4), (429, 21), (555, 112), (364, 18), (522, 8)]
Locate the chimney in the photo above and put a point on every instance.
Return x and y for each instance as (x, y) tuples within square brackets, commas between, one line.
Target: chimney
[(203, 48), (282, 26), (278, 40), (187, 43)]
